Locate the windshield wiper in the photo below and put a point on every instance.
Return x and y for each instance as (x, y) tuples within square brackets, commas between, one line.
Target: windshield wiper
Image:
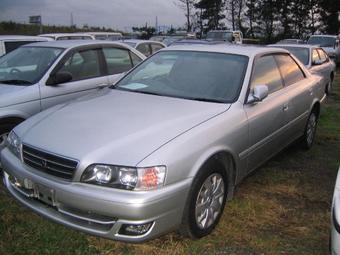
[(211, 100), (16, 82)]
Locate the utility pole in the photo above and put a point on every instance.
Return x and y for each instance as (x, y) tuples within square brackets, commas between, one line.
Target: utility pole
[(156, 25)]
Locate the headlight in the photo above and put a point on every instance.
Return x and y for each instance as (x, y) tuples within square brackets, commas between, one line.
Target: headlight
[(129, 178), (14, 144)]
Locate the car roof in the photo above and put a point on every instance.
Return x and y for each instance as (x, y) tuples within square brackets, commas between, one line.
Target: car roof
[(75, 43), (140, 41), (100, 33), (308, 46), (245, 50), (65, 34), (23, 37), (333, 36)]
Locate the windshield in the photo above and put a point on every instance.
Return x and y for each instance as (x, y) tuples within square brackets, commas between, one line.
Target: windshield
[(202, 76), (228, 36), (323, 41), (301, 53), (26, 65)]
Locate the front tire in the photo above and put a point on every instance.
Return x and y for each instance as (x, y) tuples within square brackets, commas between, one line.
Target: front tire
[(206, 201), (310, 130)]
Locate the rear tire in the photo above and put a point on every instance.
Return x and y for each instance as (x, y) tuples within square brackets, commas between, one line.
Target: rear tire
[(329, 86), (206, 201), (310, 130)]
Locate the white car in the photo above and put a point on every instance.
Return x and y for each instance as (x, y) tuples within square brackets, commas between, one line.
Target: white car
[(9, 43), (68, 36), (335, 219), (37, 76)]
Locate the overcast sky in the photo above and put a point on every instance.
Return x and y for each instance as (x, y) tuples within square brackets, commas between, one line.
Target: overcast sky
[(119, 14)]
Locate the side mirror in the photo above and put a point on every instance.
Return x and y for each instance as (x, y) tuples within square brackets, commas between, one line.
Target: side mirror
[(259, 93), (317, 62), (59, 78)]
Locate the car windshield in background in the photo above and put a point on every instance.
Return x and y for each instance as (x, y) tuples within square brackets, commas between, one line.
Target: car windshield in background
[(221, 36), (202, 76), (323, 41), (26, 65), (301, 53)]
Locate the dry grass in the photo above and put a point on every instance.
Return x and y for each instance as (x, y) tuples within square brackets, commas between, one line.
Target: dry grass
[(282, 208)]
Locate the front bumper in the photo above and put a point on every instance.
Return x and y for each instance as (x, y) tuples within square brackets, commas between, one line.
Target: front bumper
[(92, 209)]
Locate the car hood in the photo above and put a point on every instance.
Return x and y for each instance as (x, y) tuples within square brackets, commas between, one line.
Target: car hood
[(115, 127)]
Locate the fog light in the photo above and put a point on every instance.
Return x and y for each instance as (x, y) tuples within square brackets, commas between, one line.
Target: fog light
[(135, 230)]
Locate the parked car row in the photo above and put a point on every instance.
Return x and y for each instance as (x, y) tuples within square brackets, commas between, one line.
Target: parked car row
[(160, 143)]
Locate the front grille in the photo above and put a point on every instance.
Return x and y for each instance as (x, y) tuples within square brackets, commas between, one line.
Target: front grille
[(48, 163)]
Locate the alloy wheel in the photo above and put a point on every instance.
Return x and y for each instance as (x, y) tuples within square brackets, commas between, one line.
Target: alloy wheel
[(209, 201)]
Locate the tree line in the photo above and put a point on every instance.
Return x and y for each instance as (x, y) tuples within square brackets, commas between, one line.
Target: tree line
[(10, 28), (266, 19)]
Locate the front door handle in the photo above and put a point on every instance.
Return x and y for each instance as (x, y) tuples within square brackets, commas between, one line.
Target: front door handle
[(102, 85), (285, 107)]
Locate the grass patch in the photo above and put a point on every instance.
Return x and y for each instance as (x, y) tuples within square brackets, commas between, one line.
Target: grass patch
[(282, 208)]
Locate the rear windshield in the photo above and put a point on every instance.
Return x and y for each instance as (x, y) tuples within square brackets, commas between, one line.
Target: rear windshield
[(323, 41), (301, 53)]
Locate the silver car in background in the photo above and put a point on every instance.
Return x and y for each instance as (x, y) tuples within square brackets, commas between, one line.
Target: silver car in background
[(165, 147), (40, 75), (315, 59), (68, 36)]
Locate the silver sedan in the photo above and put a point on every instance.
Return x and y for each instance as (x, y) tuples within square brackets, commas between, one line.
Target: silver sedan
[(315, 59), (165, 147)]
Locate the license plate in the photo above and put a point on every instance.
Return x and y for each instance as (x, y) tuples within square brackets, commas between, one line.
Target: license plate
[(45, 194)]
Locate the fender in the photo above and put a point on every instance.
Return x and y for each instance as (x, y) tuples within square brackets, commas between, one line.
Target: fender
[(13, 113)]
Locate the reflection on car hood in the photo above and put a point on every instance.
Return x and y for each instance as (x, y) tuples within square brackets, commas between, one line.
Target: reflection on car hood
[(115, 127)]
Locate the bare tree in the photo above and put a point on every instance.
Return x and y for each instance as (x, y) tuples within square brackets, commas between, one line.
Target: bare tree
[(188, 7)]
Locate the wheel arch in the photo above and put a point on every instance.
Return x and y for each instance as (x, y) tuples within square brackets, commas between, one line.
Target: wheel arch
[(316, 107), (12, 119), (228, 162)]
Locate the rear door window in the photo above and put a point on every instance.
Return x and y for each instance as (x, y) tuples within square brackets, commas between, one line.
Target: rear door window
[(135, 59), (290, 71), (267, 73), (117, 60), (144, 48), (322, 55), (315, 56), (156, 47)]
